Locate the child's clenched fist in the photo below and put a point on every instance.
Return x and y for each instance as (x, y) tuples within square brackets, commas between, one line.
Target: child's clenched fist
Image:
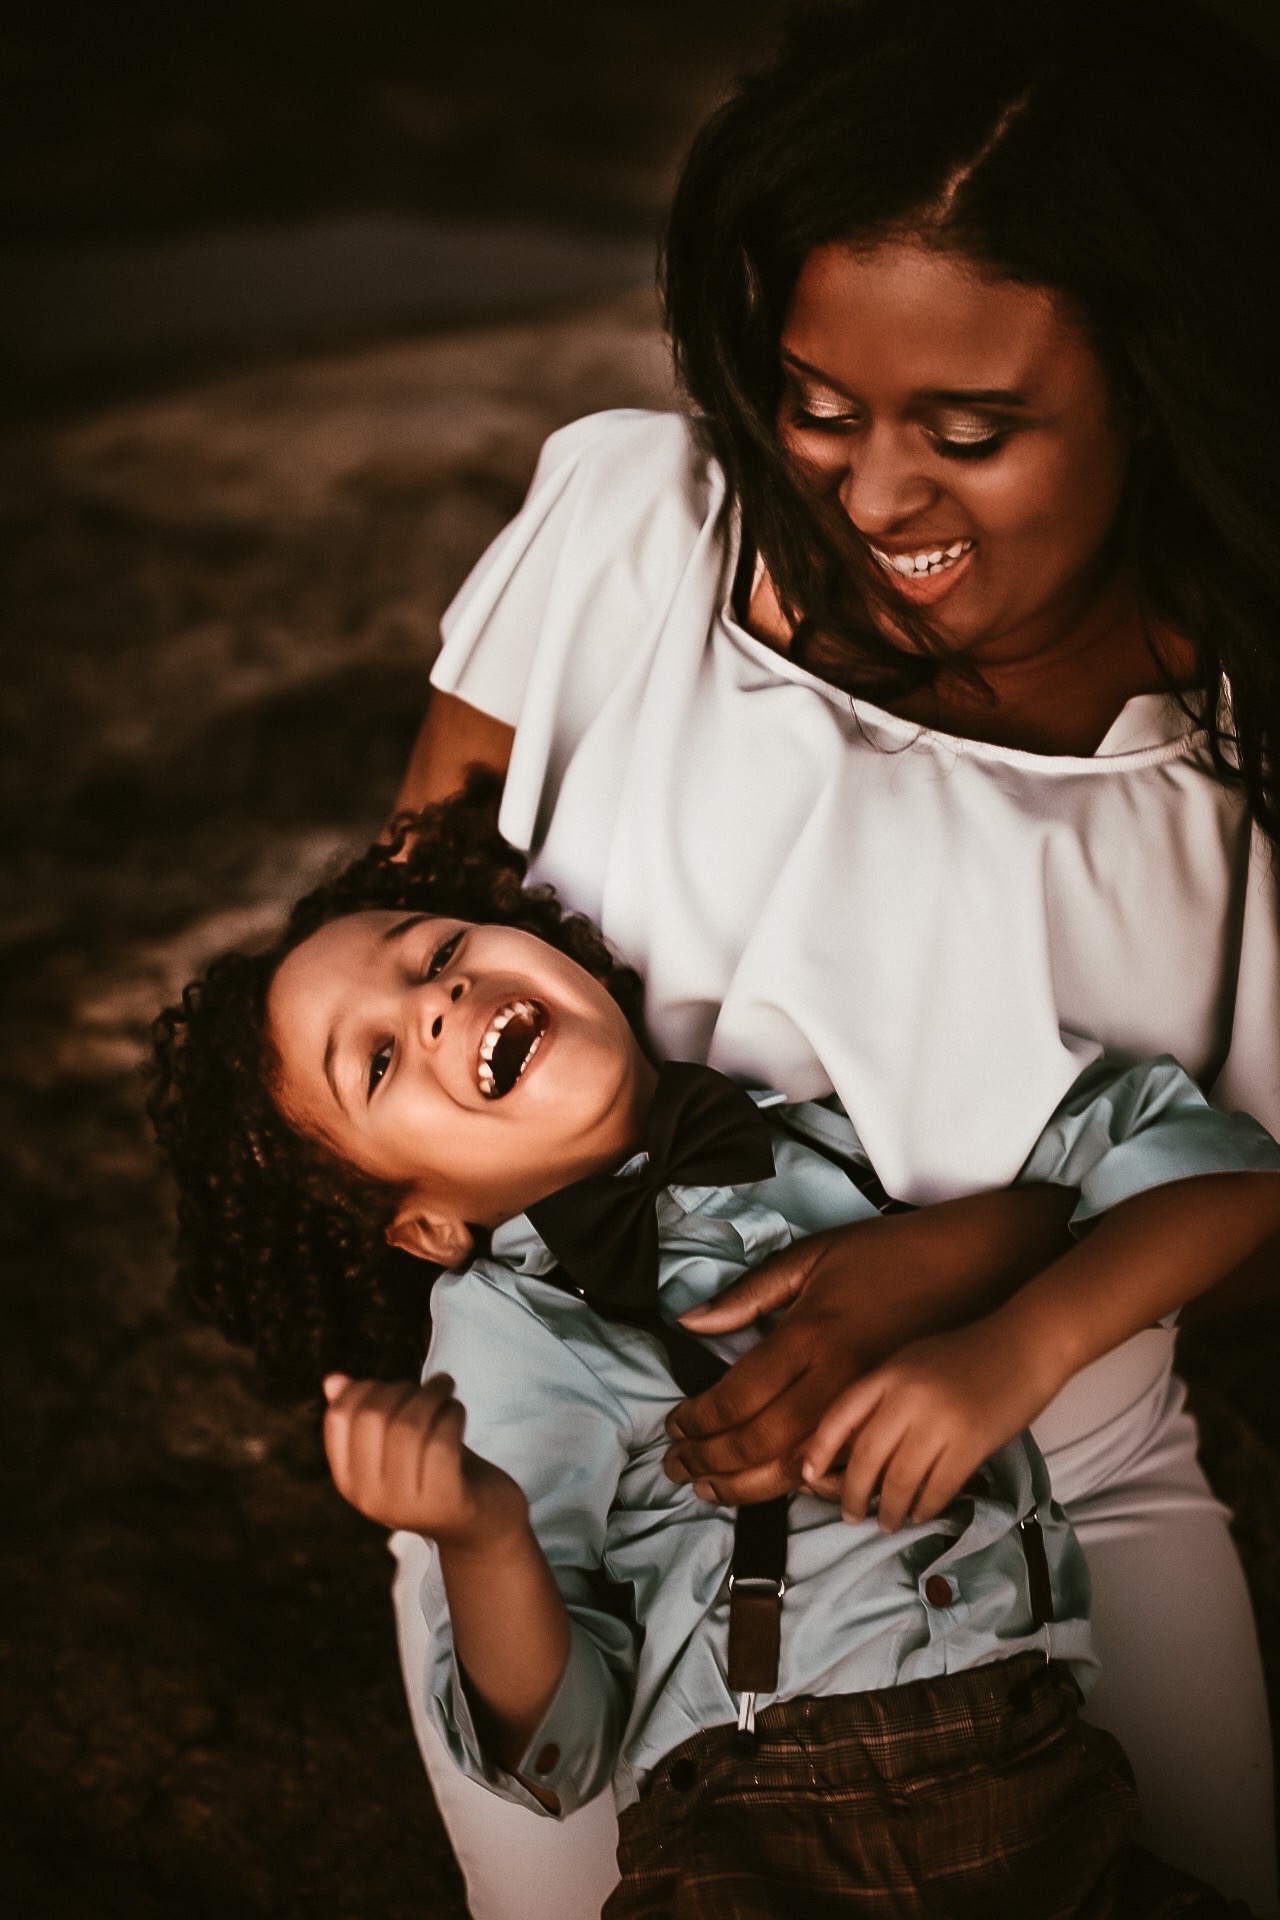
[(396, 1452)]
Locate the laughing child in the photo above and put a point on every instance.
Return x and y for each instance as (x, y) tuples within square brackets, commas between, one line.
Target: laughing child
[(435, 1064)]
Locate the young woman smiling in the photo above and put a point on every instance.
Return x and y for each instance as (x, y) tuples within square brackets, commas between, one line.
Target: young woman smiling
[(907, 716)]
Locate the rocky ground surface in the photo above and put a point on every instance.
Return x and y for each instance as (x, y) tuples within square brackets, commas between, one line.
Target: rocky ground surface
[(218, 618)]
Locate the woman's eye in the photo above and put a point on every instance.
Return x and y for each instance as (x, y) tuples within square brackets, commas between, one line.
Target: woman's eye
[(378, 1067), (443, 955), (817, 417), (968, 439)]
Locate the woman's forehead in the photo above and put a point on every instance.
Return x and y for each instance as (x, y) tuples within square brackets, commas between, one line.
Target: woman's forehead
[(926, 319)]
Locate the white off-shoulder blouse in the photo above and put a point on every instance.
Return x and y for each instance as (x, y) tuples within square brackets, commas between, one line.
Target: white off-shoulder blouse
[(827, 897)]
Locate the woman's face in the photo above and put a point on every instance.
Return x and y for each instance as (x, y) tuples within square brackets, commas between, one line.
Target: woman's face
[(965, 426)]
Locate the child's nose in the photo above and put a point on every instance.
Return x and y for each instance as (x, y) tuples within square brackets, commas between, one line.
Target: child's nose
[(434, 1003)]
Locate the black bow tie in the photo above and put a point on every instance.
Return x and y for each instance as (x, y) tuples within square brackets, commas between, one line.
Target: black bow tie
[(703, 1132)]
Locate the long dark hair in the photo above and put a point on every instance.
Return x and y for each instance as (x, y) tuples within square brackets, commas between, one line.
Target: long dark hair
[(1122, 153), (279, 1244)]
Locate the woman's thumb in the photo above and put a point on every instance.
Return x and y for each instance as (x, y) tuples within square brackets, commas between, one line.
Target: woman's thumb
[(765, 1291)]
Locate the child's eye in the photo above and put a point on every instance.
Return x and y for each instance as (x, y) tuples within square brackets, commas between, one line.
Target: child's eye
[(378, 1067), (443, 954)]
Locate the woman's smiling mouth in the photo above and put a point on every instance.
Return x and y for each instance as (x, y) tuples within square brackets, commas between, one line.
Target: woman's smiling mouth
[(926, 574), (509, 1043)]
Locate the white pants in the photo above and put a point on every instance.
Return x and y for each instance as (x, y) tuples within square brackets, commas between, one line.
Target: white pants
[(1182, 1685)]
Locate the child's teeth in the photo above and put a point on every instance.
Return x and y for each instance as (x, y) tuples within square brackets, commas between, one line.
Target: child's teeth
[(534, 1044), (493, 1033)]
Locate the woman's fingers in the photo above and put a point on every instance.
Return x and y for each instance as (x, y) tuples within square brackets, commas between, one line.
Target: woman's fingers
[(767, 1289), (746, 1390), (775, 1433), (754, 1484)]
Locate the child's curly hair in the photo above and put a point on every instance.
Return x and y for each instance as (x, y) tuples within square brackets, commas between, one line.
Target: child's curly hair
[(280, 1244)]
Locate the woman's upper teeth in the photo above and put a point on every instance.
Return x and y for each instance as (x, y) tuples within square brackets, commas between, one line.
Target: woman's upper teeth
[(928, 560)]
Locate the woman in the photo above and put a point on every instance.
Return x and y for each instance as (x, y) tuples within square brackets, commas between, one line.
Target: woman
[(908, 717)]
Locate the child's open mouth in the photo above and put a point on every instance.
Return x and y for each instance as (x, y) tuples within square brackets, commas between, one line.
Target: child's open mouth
[(510, 1041)]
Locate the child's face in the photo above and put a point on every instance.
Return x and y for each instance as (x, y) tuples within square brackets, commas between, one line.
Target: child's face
[(474, 1064)]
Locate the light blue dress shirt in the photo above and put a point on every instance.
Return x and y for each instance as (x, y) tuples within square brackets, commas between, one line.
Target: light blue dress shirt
[(573, 1407)]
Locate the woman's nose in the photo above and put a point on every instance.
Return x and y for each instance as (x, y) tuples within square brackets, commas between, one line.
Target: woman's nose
[(882, 486)]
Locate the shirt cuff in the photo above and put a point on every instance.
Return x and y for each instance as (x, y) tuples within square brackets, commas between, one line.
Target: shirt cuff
[(574, 1749)]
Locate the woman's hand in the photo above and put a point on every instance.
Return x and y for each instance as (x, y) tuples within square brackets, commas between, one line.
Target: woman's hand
[(851, 1298), (395, 1452), (917, 1427)]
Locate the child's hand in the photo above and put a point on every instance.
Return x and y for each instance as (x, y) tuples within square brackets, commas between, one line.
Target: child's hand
[(396, 1453), (917, 1427)]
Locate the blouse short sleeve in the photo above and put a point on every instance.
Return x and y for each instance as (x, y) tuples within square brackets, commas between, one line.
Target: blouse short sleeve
[(555, 616)]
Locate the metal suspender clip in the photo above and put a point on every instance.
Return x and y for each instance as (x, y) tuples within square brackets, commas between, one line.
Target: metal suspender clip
[(757, 1583)]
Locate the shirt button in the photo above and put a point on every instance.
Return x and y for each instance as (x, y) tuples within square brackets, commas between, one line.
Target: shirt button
[(937, 1591), (547, 1758)]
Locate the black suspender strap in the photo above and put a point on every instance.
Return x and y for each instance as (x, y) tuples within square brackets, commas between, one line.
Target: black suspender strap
[(1039, 1581), (757, 1571)]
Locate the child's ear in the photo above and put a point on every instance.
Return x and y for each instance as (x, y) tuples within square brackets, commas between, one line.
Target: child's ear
[(430, 1236)]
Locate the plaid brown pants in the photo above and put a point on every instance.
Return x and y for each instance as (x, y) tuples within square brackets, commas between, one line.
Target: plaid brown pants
[(981, 1796)]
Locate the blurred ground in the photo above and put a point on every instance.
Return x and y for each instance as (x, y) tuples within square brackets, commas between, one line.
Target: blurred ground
[(218, 618)]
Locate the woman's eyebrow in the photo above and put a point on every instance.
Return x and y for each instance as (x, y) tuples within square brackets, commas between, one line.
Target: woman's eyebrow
[(974, 397), (932, 396), (798, 365)]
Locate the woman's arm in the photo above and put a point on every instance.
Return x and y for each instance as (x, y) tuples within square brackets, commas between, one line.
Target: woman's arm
[(919, 1426), (453, 737), (396, 1453)]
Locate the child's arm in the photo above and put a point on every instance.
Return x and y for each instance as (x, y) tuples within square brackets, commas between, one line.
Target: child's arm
[(921, 1424), (396, 1453)]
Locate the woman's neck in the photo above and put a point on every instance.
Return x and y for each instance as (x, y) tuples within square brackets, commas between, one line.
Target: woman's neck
[(1056, 686)]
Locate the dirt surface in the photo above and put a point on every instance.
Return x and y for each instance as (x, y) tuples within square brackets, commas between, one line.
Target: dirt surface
[(218, 619)]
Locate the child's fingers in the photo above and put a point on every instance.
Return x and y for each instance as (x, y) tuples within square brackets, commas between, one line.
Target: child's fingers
[(368, 1411), (842, 1419), (868, 1457), (904, 1476), (356, 1426), (941, 1485)]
